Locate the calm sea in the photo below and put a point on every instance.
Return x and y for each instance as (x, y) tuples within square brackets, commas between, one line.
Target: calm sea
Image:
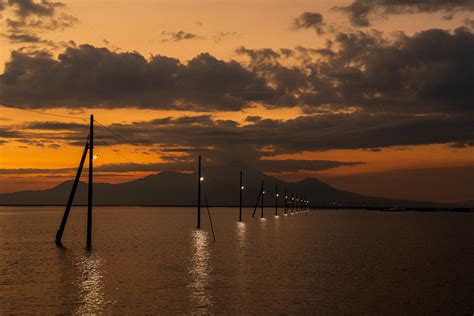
[(153, 261)]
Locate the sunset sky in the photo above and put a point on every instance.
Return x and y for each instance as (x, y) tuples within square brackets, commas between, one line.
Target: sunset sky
[(372, 96)]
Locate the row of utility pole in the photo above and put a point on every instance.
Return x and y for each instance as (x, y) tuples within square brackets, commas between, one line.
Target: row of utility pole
[(294, 203)]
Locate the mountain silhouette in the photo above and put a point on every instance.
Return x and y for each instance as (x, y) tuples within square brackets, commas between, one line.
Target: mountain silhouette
[(220, 186)]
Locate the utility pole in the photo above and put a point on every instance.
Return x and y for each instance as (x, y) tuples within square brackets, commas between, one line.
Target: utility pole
[(291, 203), (286, 202), (90, 187), (276, 199), (241, 188), (263, 193), (199, 195), (60, 231)]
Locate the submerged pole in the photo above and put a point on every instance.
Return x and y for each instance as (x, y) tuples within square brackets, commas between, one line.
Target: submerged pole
[(241, 188), (276, 199), (256, 203), (286, 203), (90, 187), (263, 193), (199, 195), (210, 219), (59, 233), (292, 201)]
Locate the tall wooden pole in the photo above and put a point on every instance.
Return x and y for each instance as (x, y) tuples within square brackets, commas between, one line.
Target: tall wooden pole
[(241, 188), (276, 199), (292, 201), (286, 201), (60, 231), (89, 197), (263, 194), (199, 195), (256, 203)]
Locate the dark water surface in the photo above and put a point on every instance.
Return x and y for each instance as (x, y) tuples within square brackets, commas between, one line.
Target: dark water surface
[(152, 261)]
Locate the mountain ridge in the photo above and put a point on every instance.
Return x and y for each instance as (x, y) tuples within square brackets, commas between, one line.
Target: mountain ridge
[(220, 186)]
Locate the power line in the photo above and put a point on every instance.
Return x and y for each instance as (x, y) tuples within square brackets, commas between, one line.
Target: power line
[(101, 140), (115, 134), (40, 112), (69, 117)]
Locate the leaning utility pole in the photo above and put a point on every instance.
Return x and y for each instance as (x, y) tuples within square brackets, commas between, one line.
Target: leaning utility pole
[(88, 149), (59, 234)]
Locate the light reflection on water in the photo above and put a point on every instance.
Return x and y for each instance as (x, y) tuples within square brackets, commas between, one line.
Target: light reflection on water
[(199, 270), (91, 285), (241, 233), (242, 272)]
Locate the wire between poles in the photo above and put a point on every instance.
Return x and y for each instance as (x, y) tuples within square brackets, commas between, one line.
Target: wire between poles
[(42, 113)]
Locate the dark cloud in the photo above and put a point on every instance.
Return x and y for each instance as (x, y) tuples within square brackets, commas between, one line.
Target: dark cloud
[(463, 144), (56, 126), (178, 36), (263, 165), (469, 23), (90, 76), (294, 165), (429, 72), (226, 140), (8, 132), (365, 91), (23, 38), (287, 82), (54, 146), (59, 22), (176, 141), (311, 20), (25, 8), (30, 17), (362, 11), (221, 36), (35, 171)]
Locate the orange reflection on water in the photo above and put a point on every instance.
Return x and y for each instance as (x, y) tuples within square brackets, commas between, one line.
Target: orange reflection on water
[(241, 233), (199, 270), (91, 285)]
